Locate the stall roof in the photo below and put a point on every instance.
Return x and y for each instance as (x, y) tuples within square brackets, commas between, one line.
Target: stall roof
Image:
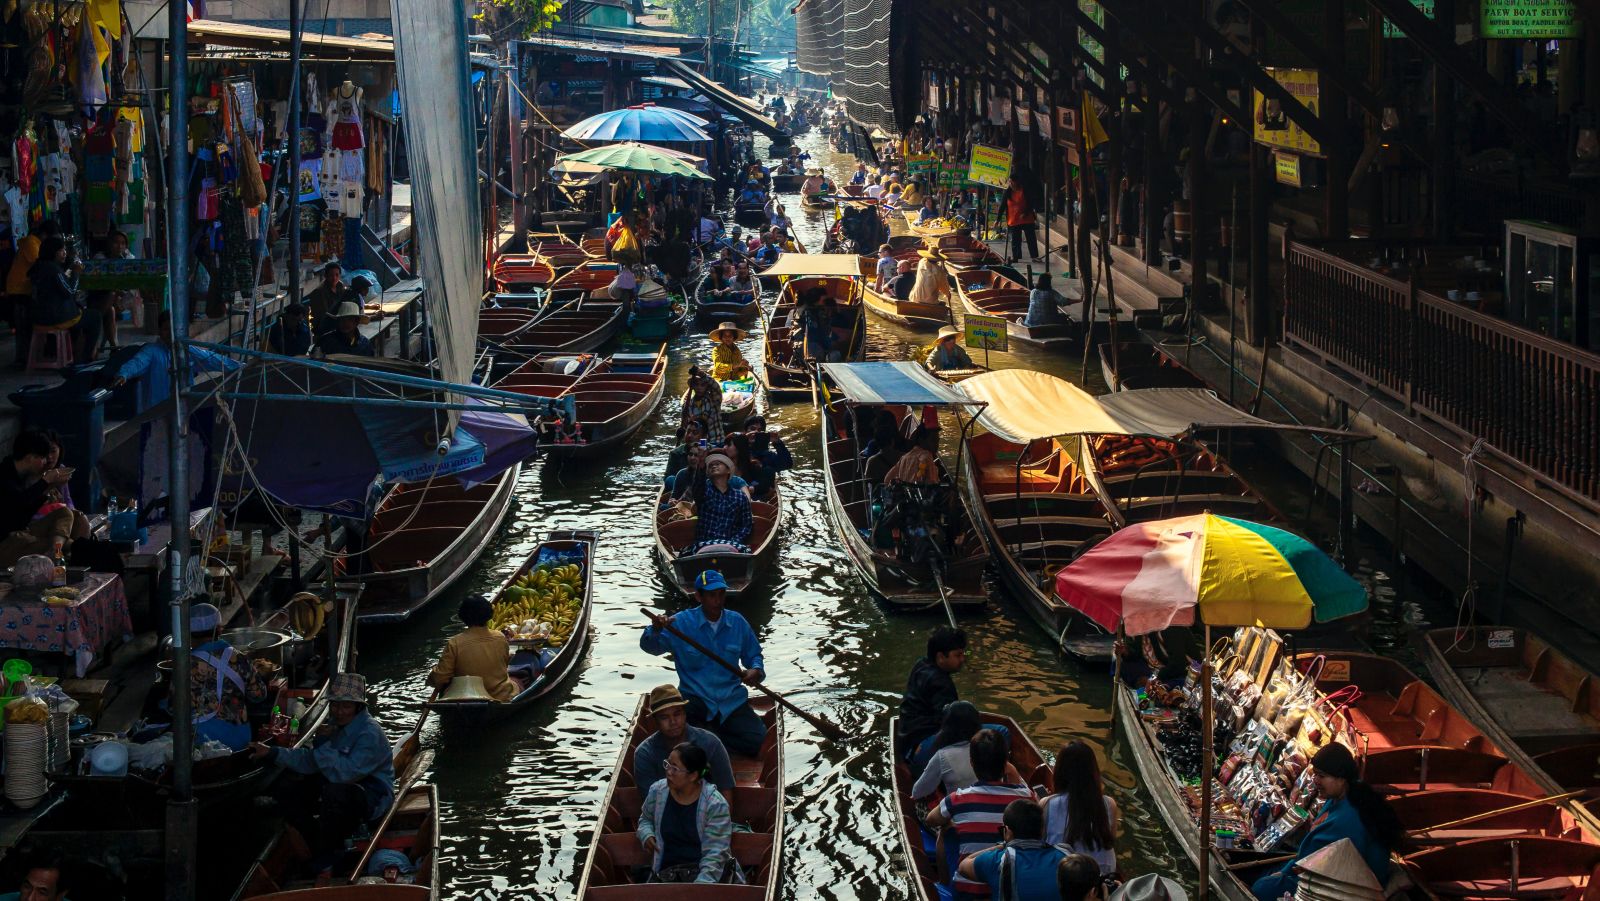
[(726, 99), (662, 81), (578, 46), (1024, 405), (897, 382), (314, 46), (819, 264)]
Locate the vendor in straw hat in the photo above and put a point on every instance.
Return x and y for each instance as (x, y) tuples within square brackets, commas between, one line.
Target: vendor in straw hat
[(813, 183), (933, 283), (947, 353), (344, 779), (727, 361), (476, 651), (1350, 809)]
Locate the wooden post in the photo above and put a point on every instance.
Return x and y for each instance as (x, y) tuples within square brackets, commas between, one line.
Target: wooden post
[(1154, 197), (1207, 765), (1444, 135), (1113, 126), (1258, 290), (1336, 196)]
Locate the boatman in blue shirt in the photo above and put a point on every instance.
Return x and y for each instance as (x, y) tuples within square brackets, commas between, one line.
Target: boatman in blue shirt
[(348, 772), (718, 700)]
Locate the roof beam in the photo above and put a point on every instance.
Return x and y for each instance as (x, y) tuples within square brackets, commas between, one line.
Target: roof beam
[(1187, 69), (1263, 82), (1356, 88), (1147, 76)]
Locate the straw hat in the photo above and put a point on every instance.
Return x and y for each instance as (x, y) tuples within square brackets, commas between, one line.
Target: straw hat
[(814, 171), (465, 688), (1150, 887), (718, 456), (738, 333), (948, 331), (1343, 866)]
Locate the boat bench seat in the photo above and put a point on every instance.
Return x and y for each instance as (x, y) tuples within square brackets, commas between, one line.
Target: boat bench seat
[(1403, 770)]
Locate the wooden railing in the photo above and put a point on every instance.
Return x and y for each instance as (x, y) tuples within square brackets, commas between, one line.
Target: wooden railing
[(1531, 398)]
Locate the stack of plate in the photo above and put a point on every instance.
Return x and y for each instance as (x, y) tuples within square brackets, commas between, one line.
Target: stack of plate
[(26, 750), (1337, 873)]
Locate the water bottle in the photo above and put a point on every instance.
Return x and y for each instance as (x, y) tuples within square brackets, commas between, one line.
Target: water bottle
[(111, 506)]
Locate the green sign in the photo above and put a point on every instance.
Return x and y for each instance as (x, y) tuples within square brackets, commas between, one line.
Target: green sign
[(921, 164), (1391, 30), (952, 175), (1530, 19)]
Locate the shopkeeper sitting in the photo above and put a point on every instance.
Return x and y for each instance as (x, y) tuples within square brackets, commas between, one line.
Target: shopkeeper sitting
[(1351, 809), (345, 337), (222, 682), (154, 362)]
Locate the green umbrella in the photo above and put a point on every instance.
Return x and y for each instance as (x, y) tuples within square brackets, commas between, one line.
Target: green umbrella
[(636, 158)]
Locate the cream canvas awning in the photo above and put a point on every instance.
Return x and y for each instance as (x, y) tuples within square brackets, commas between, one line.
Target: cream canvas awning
[(821, 264), (1024, 406)]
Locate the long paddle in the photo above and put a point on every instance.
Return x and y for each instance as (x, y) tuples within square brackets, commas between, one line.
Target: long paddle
[(418, 765), (1490, 814), (826, 728)]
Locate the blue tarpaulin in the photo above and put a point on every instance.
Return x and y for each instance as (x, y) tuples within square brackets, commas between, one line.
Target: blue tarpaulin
[(899, 382)]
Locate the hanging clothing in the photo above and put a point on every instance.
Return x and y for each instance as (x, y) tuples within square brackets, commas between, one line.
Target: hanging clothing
[(344, 111)]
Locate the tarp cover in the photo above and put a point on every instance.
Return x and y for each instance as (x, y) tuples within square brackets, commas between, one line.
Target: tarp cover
[(801, 264), (724, 98), (431, 56), (898, 382), (1024, 405)]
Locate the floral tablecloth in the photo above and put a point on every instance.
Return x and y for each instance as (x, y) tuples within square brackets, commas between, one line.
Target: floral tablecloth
[(80, 630)]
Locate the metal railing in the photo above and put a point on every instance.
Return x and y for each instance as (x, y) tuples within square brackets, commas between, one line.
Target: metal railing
[(1531, 398)]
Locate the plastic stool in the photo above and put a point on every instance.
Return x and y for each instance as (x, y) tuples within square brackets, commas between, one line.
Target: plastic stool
[(63, 352)]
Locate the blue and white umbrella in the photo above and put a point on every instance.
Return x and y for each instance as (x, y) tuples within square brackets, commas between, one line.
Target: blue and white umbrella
[(650, 124)]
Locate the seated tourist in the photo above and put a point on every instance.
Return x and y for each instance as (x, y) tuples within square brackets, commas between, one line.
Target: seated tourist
[(950, 767), (767, 446), (345, 337), (722, 508), (749, 467), (977, 812), (768, 252), (947, 353), (929, 211), (689, 434), (1022, 869), (920, 464), (476, 651), (668, 708), (885, 268), (291, 334), (684, 828), (891, 447), (905, 278), (1042, 308), (1080, 817)]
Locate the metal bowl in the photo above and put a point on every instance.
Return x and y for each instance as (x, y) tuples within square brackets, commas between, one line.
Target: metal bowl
[(259, 644)]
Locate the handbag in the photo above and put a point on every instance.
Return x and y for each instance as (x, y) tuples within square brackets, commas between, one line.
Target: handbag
[(1296, 705)]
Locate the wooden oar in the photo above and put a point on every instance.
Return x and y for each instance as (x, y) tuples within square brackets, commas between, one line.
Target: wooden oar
[(826, 728), (1490, 814), (944, 598), (1263, 862), (418, 765)]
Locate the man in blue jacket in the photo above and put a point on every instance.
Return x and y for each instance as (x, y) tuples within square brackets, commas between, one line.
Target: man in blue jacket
[(717, 698), (347, 772), (153, 361)]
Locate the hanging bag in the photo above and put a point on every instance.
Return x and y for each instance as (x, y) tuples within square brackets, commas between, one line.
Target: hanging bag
[(1296, 705)]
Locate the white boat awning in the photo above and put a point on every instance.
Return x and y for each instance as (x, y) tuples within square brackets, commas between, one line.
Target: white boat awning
[(881, 383), (821, 264)]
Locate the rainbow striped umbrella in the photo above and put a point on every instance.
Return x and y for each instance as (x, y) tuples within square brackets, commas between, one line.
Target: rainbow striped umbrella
[(1228, 572)]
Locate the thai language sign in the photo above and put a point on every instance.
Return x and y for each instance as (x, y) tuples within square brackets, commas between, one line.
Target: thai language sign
[(986, 332), (989, 166), (1273, 126), (1535, 19)]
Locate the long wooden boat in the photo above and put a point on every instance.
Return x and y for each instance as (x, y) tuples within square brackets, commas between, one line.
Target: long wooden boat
[(425, 536), (962, 251), (1436, 767), (784, 379), (751, 215), (906, 313), (925, 868), (1535, 703), (787, 182), (1036, 511), (520, 272), (283, 871), (1140, 364), (578, 326), (958, 564), (736, 406), (756, 802), (711, 310), (985, 292), (1144, 479), (500, 324), (673, 536), (613, 397), (547, 667)]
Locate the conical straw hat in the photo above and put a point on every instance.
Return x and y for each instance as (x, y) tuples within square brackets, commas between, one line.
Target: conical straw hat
[(1341, 863), (465, 688)]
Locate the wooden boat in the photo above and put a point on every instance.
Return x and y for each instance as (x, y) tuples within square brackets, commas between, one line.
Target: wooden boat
[(787, 182), (1436, 767), (1144, 479), (581, 326), (1535, 703), (500, 324), (736, 405), (906, 313), (1140, 364), (784, 379), (549, 667), (757, 802), (613, 397), (918, 843), (751, 215), (425, 536), (712, 310), (674, 535), (566, 254), (521, 272), (962, 251), (1036, 511), (283, 871), (954, 569), (985, 292)]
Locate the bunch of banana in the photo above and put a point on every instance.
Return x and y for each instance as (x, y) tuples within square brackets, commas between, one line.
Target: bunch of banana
[(541, 604), (307, 615)]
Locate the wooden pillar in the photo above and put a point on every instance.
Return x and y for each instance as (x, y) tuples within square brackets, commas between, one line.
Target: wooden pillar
[(1444, 136), (1155, 194), (1333, 112), (1199, 211), (1113, 125), (1258, 291), (1568, 66)]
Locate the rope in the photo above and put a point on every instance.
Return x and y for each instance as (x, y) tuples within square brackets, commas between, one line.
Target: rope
[(1466, 637)]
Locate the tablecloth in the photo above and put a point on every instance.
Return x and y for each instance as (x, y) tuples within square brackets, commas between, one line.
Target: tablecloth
[(81, 630)]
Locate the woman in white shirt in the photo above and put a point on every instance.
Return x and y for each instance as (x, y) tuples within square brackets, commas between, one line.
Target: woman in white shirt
[(1080, 817), (950, 768)]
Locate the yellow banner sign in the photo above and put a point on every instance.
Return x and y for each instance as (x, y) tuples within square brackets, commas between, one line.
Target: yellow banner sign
[(1286, 167), (1273, 126), (989, 166), (985, 332)]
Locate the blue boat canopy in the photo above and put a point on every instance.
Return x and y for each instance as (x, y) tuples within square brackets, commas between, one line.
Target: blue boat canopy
[(898, 382)]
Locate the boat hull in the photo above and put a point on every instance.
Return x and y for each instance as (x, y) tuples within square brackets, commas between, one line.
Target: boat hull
[(739, 570)]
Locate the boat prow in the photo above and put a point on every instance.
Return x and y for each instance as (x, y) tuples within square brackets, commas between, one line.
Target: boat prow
[(674, 535)]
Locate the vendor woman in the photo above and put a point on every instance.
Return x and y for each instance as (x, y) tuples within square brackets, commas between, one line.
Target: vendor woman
[(1351, 809), (727, 362)]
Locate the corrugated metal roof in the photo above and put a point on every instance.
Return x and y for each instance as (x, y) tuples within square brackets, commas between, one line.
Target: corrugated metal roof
[(257, 37)]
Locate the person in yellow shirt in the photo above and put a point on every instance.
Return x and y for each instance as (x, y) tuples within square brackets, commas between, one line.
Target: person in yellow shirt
[(477, 651), (19, 288), (727, 361)]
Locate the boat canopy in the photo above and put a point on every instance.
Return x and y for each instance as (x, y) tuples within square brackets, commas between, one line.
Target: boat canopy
[(819, 264), (1024, 405), (898, 382)]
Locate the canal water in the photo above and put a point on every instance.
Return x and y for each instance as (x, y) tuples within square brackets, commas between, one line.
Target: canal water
[(520, 798)]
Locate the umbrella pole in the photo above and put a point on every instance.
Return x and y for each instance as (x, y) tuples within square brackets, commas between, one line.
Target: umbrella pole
[(1116, 676), (1207, 720)]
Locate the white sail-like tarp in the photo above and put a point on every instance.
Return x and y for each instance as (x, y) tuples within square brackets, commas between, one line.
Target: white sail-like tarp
[(430, 46)]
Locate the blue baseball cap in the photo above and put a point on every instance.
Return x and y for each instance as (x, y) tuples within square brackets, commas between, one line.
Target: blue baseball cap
[(710, 580)]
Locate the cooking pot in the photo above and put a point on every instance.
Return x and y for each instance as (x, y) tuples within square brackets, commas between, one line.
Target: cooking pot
[(258, 644)]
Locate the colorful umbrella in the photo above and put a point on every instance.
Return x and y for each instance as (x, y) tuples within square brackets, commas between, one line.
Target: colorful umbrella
[(1153, 575), (652, 124), (635, 158)]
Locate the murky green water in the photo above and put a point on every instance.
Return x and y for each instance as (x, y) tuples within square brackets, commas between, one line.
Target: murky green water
[(520, 799)]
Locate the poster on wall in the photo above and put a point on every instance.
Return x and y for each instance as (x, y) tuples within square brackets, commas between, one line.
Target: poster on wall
[(1272, 125), (1530, 19), (1067, 126), (1024, 118)]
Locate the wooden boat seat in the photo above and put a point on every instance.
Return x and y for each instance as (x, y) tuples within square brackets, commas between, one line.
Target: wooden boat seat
[(1437, 807), (1573, 766), (1481, 868), (1401, 770)]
